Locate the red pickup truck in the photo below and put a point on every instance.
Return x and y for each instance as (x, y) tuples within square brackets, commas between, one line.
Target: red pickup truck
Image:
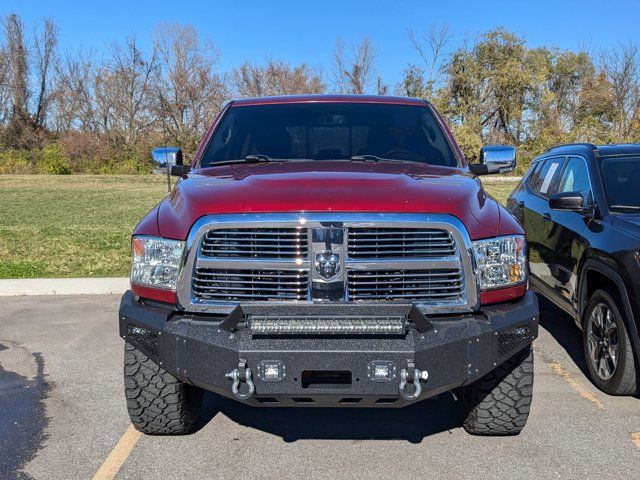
[(329, 251)]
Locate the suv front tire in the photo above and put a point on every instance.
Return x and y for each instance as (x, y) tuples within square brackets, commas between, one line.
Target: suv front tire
[(607, 348)]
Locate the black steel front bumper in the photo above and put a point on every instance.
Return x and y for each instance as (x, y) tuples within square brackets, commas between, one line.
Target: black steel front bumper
[(454, 351)]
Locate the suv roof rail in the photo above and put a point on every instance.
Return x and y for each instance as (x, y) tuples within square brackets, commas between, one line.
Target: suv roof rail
[(576, 144)]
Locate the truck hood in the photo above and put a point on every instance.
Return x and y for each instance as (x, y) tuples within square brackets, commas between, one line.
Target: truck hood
[(333, 186)]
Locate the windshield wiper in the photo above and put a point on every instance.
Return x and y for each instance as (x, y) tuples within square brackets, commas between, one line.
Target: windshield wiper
[(255, 158), (625, 207), (376, 158), (367, 158)]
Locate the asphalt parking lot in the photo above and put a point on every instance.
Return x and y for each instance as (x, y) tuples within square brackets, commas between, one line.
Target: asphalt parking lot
[(62, 415)]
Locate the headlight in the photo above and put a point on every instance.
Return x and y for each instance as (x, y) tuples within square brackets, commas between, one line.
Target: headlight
[(501, 261), (156, 262)]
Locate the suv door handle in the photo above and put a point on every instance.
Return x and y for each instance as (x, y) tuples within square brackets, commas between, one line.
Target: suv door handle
[(546, 217)]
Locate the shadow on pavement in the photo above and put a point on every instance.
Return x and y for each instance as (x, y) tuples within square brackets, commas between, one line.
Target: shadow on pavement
[(563, 328), (411, 423)]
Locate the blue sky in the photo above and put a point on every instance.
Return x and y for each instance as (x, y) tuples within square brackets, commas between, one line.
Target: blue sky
[(306, 31)]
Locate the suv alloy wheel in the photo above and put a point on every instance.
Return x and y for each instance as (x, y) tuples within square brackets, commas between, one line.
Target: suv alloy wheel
[(608, 352)]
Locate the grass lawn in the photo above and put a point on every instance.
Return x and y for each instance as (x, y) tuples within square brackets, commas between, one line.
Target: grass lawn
[(71, 226), (79, 226)]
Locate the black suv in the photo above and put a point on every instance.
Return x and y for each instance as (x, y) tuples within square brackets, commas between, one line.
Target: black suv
[(580, 208)]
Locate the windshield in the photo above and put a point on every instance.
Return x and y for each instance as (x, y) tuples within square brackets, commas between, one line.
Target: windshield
[(622, 182), (330, 131)]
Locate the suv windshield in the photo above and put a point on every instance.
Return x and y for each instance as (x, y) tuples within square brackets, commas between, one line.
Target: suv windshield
[(621, 181), (330, 131)]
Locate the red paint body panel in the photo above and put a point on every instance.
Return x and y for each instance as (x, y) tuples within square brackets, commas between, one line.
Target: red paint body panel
[(333, 186), (157, 294), (149, 224), (502, 294)]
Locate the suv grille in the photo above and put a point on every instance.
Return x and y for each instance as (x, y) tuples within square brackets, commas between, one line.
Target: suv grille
[(256, 243), (422, 285), (243, 285), (393, 242)]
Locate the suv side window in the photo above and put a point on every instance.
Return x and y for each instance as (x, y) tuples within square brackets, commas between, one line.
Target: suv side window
[(543, 180), (575, 178), (534, 171)]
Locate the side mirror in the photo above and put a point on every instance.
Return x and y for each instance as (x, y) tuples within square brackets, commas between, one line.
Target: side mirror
[(168, 161), (495, 159), (573, 201), (166, 157)]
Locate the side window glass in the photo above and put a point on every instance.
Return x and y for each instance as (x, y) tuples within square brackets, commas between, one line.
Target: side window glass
[(575, 178), (533, 173), (546, 177)]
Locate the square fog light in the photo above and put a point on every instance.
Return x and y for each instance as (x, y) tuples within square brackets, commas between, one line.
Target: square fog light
[(271, 370), (381, 371)]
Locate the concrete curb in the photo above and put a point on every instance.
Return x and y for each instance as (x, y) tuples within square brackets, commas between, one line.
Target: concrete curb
[(489, 179), (63, 286)]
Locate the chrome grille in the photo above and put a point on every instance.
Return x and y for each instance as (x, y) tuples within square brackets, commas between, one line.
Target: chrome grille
[(256, 243), (382, 257), (399, 242), (441, 285), (250, 285)]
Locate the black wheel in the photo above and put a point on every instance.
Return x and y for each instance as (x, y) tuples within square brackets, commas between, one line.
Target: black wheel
[(158, 402), (607, 348), (499, 403)]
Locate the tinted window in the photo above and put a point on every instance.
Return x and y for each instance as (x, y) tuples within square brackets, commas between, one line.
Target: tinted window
[(534, 173), (622, 181), (575, 178), (322, 131), (545, 178)]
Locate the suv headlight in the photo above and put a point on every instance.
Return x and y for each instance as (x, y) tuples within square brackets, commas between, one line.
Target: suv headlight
[(501, 261), (156, 262)]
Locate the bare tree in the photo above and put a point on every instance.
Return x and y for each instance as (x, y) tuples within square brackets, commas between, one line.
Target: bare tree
[(74, 102), (275, 78), (353, 73), (5, 90), (189, 90), (45, 57), (622, 68), (124, 87), (431, 47), (381, 87), (17, 82), (26, 80)]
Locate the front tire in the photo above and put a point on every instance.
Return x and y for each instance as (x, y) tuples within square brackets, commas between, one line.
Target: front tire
[(607, 348), (158, 403), (499, 403)]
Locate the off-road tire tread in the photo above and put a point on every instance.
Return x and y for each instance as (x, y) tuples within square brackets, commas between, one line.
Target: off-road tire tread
[(158, 402), (625, 380), (499, 403)]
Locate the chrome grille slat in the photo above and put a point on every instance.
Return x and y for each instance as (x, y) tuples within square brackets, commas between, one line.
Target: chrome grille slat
[(255, 243), (250, 284), (402, 243), (395, 284)]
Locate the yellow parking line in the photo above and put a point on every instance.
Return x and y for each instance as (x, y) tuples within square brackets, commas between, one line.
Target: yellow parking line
[(576, 385), (111, 466), (636, 438)]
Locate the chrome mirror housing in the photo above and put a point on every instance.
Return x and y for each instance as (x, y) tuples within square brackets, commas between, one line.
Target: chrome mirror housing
[(498, 158), (166, 157), (165, 161)]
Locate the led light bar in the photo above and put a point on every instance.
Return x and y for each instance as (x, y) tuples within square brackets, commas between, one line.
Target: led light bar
[(318, 325)]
